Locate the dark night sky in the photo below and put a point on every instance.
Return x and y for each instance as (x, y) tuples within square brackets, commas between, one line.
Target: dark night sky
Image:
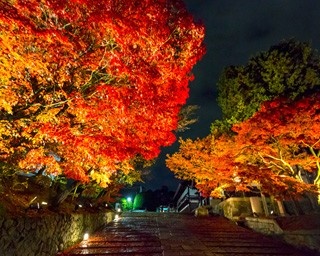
[(235, 31)]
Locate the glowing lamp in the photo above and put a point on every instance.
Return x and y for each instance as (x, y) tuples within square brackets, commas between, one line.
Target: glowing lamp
[(85, 236)]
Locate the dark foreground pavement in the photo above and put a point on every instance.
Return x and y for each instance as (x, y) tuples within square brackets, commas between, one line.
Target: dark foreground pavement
[(170, 234)]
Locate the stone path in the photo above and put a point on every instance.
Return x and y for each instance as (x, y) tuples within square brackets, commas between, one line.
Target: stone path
[(170, 234)]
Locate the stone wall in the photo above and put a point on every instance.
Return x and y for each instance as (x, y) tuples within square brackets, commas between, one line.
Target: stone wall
[(300, 238), (45, 236), (264, 225), (235, 208), (303, 238)]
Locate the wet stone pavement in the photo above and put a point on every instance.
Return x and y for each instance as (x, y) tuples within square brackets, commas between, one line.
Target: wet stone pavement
[(171, 234)]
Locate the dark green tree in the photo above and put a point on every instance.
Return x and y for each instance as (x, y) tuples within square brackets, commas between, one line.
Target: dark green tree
[(138, 203), (290, 69)]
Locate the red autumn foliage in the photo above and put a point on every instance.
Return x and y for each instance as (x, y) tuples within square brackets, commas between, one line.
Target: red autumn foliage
[(283, 136), (271, 150), (88, 85)]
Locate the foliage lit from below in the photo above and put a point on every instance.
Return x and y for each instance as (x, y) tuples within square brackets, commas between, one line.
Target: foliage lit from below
[(87, 87)]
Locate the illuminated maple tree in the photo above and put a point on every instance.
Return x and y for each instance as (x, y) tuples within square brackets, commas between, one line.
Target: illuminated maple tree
[(269, 135), (276, 150), (220, 164), (283, 136), (210, 162), (87, 86), (193, 162)]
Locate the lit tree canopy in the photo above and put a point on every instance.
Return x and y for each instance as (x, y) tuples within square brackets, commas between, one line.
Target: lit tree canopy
[(277, 149), (284, 136), (86, 86), (208, 161), (269, 134)]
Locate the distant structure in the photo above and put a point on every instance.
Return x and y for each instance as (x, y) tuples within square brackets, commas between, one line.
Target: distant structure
[(239, 205), (187, 197)]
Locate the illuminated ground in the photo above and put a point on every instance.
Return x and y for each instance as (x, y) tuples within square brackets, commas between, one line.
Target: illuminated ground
[(156, 234)]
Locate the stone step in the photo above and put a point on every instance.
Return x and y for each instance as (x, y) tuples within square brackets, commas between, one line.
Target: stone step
[(171, 234)]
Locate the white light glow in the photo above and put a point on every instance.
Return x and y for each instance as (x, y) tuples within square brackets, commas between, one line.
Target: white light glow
[(85, 237)]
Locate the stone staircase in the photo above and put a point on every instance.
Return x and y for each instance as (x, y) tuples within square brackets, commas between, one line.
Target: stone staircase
[(173, 234)]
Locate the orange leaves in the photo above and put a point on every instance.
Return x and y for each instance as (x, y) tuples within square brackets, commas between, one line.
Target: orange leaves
[(289, 123), (281, 134), (208, 161), (10, 99), (37, 159), (272, 150), (96, 83)]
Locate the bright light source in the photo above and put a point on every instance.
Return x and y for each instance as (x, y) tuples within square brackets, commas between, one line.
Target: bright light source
[(44, 203), (118, 210), (80, 205), (85, 237), (237, 179), (129, 199), (116, 217), (33, 199), (106, 205)]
